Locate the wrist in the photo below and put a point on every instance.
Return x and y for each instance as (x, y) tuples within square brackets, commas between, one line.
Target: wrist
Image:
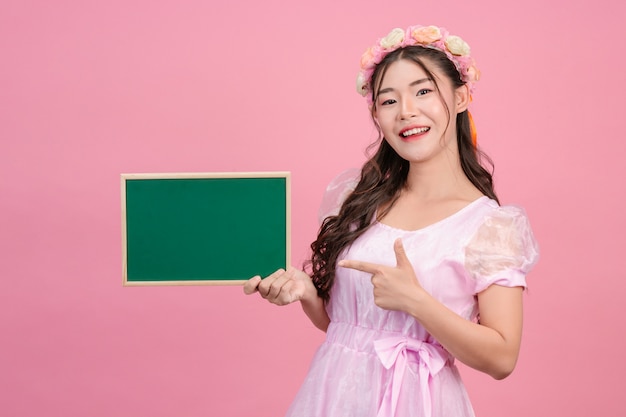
[(418, 302), (310, 292)]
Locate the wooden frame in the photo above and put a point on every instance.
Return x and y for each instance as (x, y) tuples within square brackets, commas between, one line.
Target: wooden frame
[(204, 228)]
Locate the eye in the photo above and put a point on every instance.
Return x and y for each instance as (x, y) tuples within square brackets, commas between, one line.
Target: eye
[(387, 102), (424, 91)]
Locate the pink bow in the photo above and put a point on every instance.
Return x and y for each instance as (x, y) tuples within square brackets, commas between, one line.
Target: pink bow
[(392, 352)]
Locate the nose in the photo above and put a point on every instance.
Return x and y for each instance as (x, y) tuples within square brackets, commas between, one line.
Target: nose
[(409, 108)]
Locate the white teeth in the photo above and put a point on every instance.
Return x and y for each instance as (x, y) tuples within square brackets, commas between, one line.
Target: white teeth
[(415, 131)]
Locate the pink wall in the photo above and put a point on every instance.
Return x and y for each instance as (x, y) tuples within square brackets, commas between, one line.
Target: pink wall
[(91, 89)]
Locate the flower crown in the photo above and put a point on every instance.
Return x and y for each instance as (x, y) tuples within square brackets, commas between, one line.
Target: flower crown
[(456, 49)]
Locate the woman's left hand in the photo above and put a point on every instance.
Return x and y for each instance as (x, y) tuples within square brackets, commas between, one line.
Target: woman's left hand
[(395, 288)]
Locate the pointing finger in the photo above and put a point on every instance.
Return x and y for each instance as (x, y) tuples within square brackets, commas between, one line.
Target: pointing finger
[(360, 266)]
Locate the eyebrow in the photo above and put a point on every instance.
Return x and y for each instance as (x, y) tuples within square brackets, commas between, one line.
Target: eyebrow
[(414, 83)]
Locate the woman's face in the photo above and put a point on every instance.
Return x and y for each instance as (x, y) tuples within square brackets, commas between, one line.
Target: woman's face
[(417, 120)]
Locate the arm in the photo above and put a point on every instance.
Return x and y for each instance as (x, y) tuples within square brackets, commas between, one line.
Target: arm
[(491, 346), (315, 309), (284, 287)]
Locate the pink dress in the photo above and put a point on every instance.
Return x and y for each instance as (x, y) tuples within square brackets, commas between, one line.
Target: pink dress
[(383, 363)]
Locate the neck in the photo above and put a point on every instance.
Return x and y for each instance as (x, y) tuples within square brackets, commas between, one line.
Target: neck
[(436, 180)]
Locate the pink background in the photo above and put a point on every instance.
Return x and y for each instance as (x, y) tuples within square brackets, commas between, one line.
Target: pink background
[(91, 89)]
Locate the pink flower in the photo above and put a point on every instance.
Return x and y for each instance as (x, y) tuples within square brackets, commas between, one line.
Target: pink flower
[(367, 58), (371, 57), (426, 34), (473, 74)]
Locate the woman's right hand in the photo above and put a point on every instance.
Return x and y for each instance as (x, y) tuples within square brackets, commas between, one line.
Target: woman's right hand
[(282, 287)]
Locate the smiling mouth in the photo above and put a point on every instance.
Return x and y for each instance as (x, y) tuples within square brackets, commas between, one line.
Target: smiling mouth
[(414, 131)]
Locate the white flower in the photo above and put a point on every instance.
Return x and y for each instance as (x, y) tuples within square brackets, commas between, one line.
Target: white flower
[(361, 84), (393, 39), (457, 46)]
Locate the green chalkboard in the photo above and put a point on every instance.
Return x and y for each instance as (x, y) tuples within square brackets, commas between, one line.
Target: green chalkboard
[(204, 228)]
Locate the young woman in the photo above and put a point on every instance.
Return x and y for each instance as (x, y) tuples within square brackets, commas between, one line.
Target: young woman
[(420, 266)]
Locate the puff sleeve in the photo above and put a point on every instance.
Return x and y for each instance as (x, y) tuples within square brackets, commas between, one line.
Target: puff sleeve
[(503, 250), (336, 193)]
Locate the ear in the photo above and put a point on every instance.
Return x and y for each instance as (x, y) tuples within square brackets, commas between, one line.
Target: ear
[(462, 98)]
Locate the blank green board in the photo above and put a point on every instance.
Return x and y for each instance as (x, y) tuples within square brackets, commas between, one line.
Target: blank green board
[(214, 228)]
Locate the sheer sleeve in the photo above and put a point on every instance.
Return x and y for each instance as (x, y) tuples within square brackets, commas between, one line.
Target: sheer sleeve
[(337, 191), (503, 250)]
